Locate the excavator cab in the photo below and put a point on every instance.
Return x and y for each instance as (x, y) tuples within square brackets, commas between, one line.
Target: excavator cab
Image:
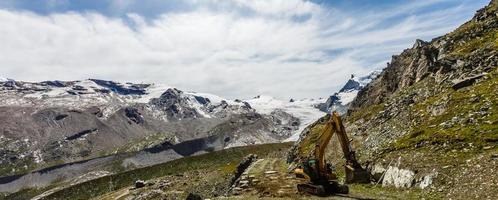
[(310, 168), (321, 177)]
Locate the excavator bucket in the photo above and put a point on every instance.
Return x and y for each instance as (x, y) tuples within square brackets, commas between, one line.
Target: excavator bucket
[(356, 175)]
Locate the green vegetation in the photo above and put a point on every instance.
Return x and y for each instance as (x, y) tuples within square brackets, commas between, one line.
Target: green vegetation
[(379, 192), (225, 160), (470, 116), (480, 37), (488, 40), (366, 113), (24, 194), (142, 143), (22, 166)]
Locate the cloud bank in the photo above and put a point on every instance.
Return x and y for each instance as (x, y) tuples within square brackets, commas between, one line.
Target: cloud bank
[(233, 48)]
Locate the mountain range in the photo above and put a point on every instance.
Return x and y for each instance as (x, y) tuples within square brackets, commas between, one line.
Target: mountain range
[(50, 123)]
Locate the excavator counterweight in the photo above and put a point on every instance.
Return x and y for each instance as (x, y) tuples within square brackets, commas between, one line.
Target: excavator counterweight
[(322, 180)]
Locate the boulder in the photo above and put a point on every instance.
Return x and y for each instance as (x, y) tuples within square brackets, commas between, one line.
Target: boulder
[(461, 83), (427, 180), (399, 178), (193, 196), (139, 184)]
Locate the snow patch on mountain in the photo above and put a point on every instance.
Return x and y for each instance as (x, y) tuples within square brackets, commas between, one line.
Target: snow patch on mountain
[(305, 110), (3, 79), (347, 97)]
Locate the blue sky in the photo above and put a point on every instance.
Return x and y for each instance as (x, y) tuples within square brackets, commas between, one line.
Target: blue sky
[(233, 48)]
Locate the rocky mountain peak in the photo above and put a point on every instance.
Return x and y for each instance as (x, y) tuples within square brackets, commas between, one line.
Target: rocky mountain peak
[(419, 43), (352, 84), (175, 104), (171, 93)]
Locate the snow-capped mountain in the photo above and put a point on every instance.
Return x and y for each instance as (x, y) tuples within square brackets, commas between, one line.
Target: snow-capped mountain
[(340, 100), (51, 122), (108, 95)]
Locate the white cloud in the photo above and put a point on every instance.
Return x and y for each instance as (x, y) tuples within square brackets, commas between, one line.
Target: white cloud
[(225, 51)]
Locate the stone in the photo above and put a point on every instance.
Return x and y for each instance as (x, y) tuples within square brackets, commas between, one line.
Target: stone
[(427, 180), (139, 184), (193, 196), (399, 178), (377, 171), (270, 172), (243, 182), (487, 147), (458, 84)]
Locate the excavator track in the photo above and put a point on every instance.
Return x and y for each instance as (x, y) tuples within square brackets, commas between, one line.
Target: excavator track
[(323, 190), (311, 189)]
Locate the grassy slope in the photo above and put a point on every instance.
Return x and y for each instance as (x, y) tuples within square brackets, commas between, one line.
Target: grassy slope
[(471, 116), (225, 160)]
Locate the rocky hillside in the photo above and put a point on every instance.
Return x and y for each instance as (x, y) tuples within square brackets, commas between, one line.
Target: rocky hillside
[(430, 119), (55, 122)]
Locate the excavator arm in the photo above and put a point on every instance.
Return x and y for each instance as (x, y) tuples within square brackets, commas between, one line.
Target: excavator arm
[(353, 170)]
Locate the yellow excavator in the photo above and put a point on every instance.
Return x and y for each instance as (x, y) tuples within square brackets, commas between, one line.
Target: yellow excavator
[(321, 179)]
